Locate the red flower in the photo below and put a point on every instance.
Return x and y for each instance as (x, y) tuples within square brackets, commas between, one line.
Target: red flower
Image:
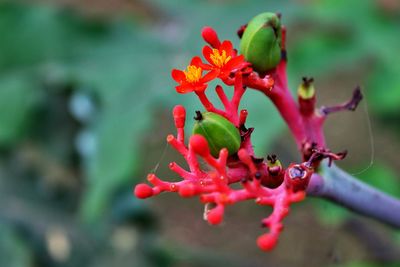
[(192, 78), (223, 59)]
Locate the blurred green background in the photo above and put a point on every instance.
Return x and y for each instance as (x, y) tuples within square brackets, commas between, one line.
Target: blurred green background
[(85, 101)]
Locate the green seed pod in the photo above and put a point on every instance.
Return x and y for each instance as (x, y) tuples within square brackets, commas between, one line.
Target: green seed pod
[(218, 131), (261, 42)]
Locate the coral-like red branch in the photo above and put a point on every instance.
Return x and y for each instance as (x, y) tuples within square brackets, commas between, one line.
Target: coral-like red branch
[(266, 182), (213, 184)]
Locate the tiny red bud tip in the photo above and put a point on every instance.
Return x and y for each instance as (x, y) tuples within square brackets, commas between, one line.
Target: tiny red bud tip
[(210, 36), (243, 116), (241, 30), (151, 177), (267, 242), (171, 165), (143, 191), (223, 152), (214, 216), (244, 112), (179, 114), (173, 187), (170, 137), (199, 145)]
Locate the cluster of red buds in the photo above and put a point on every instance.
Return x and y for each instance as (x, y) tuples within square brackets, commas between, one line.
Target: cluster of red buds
[(222, 140)]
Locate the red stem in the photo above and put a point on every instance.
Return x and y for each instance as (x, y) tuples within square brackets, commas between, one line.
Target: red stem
[(289, 111)]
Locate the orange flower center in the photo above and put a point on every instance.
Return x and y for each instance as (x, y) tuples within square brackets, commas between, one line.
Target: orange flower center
[(219, 58), (193, 74)]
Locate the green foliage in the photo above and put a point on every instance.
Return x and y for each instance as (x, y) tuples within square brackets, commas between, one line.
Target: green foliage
[(14, 252), (18, 99), (385, 88), (338, 37)]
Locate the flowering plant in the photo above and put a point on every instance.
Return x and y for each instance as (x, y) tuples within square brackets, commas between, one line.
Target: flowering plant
[(222, 139)]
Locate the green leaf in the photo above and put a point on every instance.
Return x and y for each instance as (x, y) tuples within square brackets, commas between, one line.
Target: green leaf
[(18, 98), (321, 53), (384, 89), (14, 252), (117, 157), (127, 95), (397, 236), (26, 45), (335, 39)]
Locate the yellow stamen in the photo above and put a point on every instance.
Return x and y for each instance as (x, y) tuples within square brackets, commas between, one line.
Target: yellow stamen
[(193, 74), (219, 59)]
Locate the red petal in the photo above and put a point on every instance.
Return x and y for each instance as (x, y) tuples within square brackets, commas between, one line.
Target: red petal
[(206, 66), (200, 87), (227, 46), (199, 63), (178, 75), (209, 76), (185, 88), (207, 51), (224, 74), (196, 61), (235, 62)]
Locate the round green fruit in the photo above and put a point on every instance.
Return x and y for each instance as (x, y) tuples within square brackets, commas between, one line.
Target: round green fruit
[(219, 132), (261, 42)]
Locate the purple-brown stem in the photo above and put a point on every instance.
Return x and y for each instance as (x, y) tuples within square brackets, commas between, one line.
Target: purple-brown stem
[(350, 105), (344, 189)]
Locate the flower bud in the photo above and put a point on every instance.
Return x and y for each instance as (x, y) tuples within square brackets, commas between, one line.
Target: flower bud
[(267, 242), (179, 114), (219, 132), (275, 173), (261, 42), (210, 36), (199, 145), (215, 215), (143, 191)]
